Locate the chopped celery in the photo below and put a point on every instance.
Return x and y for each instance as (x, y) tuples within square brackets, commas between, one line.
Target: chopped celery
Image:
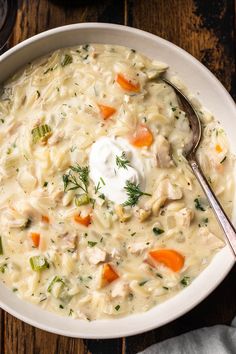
[(41, 132), (82, 199), (38, 263), (55, 280), (1, 247), (58, 289)]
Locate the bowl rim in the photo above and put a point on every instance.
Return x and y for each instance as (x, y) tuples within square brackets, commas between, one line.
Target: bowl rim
[(222, 273)]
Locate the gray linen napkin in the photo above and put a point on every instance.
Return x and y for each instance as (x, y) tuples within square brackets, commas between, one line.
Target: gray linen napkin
[(218, 339)]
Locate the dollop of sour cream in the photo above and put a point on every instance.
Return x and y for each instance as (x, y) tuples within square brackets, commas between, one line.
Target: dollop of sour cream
[(107, 175)]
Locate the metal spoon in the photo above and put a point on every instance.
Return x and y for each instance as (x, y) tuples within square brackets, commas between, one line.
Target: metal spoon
[(190, 154)]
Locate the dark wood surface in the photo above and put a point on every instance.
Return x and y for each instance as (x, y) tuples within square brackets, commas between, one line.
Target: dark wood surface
[(206, 29)]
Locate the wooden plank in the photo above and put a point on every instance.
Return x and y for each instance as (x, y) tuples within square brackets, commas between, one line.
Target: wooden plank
[(22, 338), (39, 15), (205, 29), (35, 16)]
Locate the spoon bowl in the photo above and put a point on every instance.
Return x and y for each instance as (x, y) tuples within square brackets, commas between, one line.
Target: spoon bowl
[(193, 118), (190, 154)]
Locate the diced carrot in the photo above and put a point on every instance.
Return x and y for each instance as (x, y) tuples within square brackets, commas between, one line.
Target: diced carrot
[(220, 168), (142, 136), (35, 237), (170, 258), (45, 219), (108, 274), (106, 111), (127, 85), (83, 220), (218, 148)]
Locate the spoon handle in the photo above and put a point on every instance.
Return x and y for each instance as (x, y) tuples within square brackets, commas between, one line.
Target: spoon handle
[(223, 219)]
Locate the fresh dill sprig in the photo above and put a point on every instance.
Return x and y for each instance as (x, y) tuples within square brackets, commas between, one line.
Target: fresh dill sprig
[(71, 182), (99, 186), (83, 174), (122, 161), (134, 193)]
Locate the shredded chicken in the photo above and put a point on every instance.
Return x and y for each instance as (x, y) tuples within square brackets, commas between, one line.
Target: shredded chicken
[(210, 240), (120, 289), (185, 216), (11, 218), (169, 190), (69, 240), (139, 247), (122, 214), (95, 255), (143, 214), (162, 147), (25, 208), (166, 191)]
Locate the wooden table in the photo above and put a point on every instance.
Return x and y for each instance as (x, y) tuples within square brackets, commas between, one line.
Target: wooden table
[(206, 29)]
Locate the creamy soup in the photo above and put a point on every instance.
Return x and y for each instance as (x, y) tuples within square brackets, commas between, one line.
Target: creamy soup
[(100, 214)]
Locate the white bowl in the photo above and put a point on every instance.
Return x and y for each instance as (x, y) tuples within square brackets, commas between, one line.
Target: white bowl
[(211, 93)]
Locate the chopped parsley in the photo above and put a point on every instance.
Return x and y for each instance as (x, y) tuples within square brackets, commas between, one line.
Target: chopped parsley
[(66, 60), (92, 243), (223, 159), (157, 231), (85, 47), (27, 224), (122, 161), (134, 193), (198, 205), (159, 275), (47, 71), (185, 281), (117, 307), (3, 268), (142, 283)]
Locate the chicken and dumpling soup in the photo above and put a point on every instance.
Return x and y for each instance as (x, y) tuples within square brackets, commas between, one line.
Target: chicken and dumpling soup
[(100, 214)]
